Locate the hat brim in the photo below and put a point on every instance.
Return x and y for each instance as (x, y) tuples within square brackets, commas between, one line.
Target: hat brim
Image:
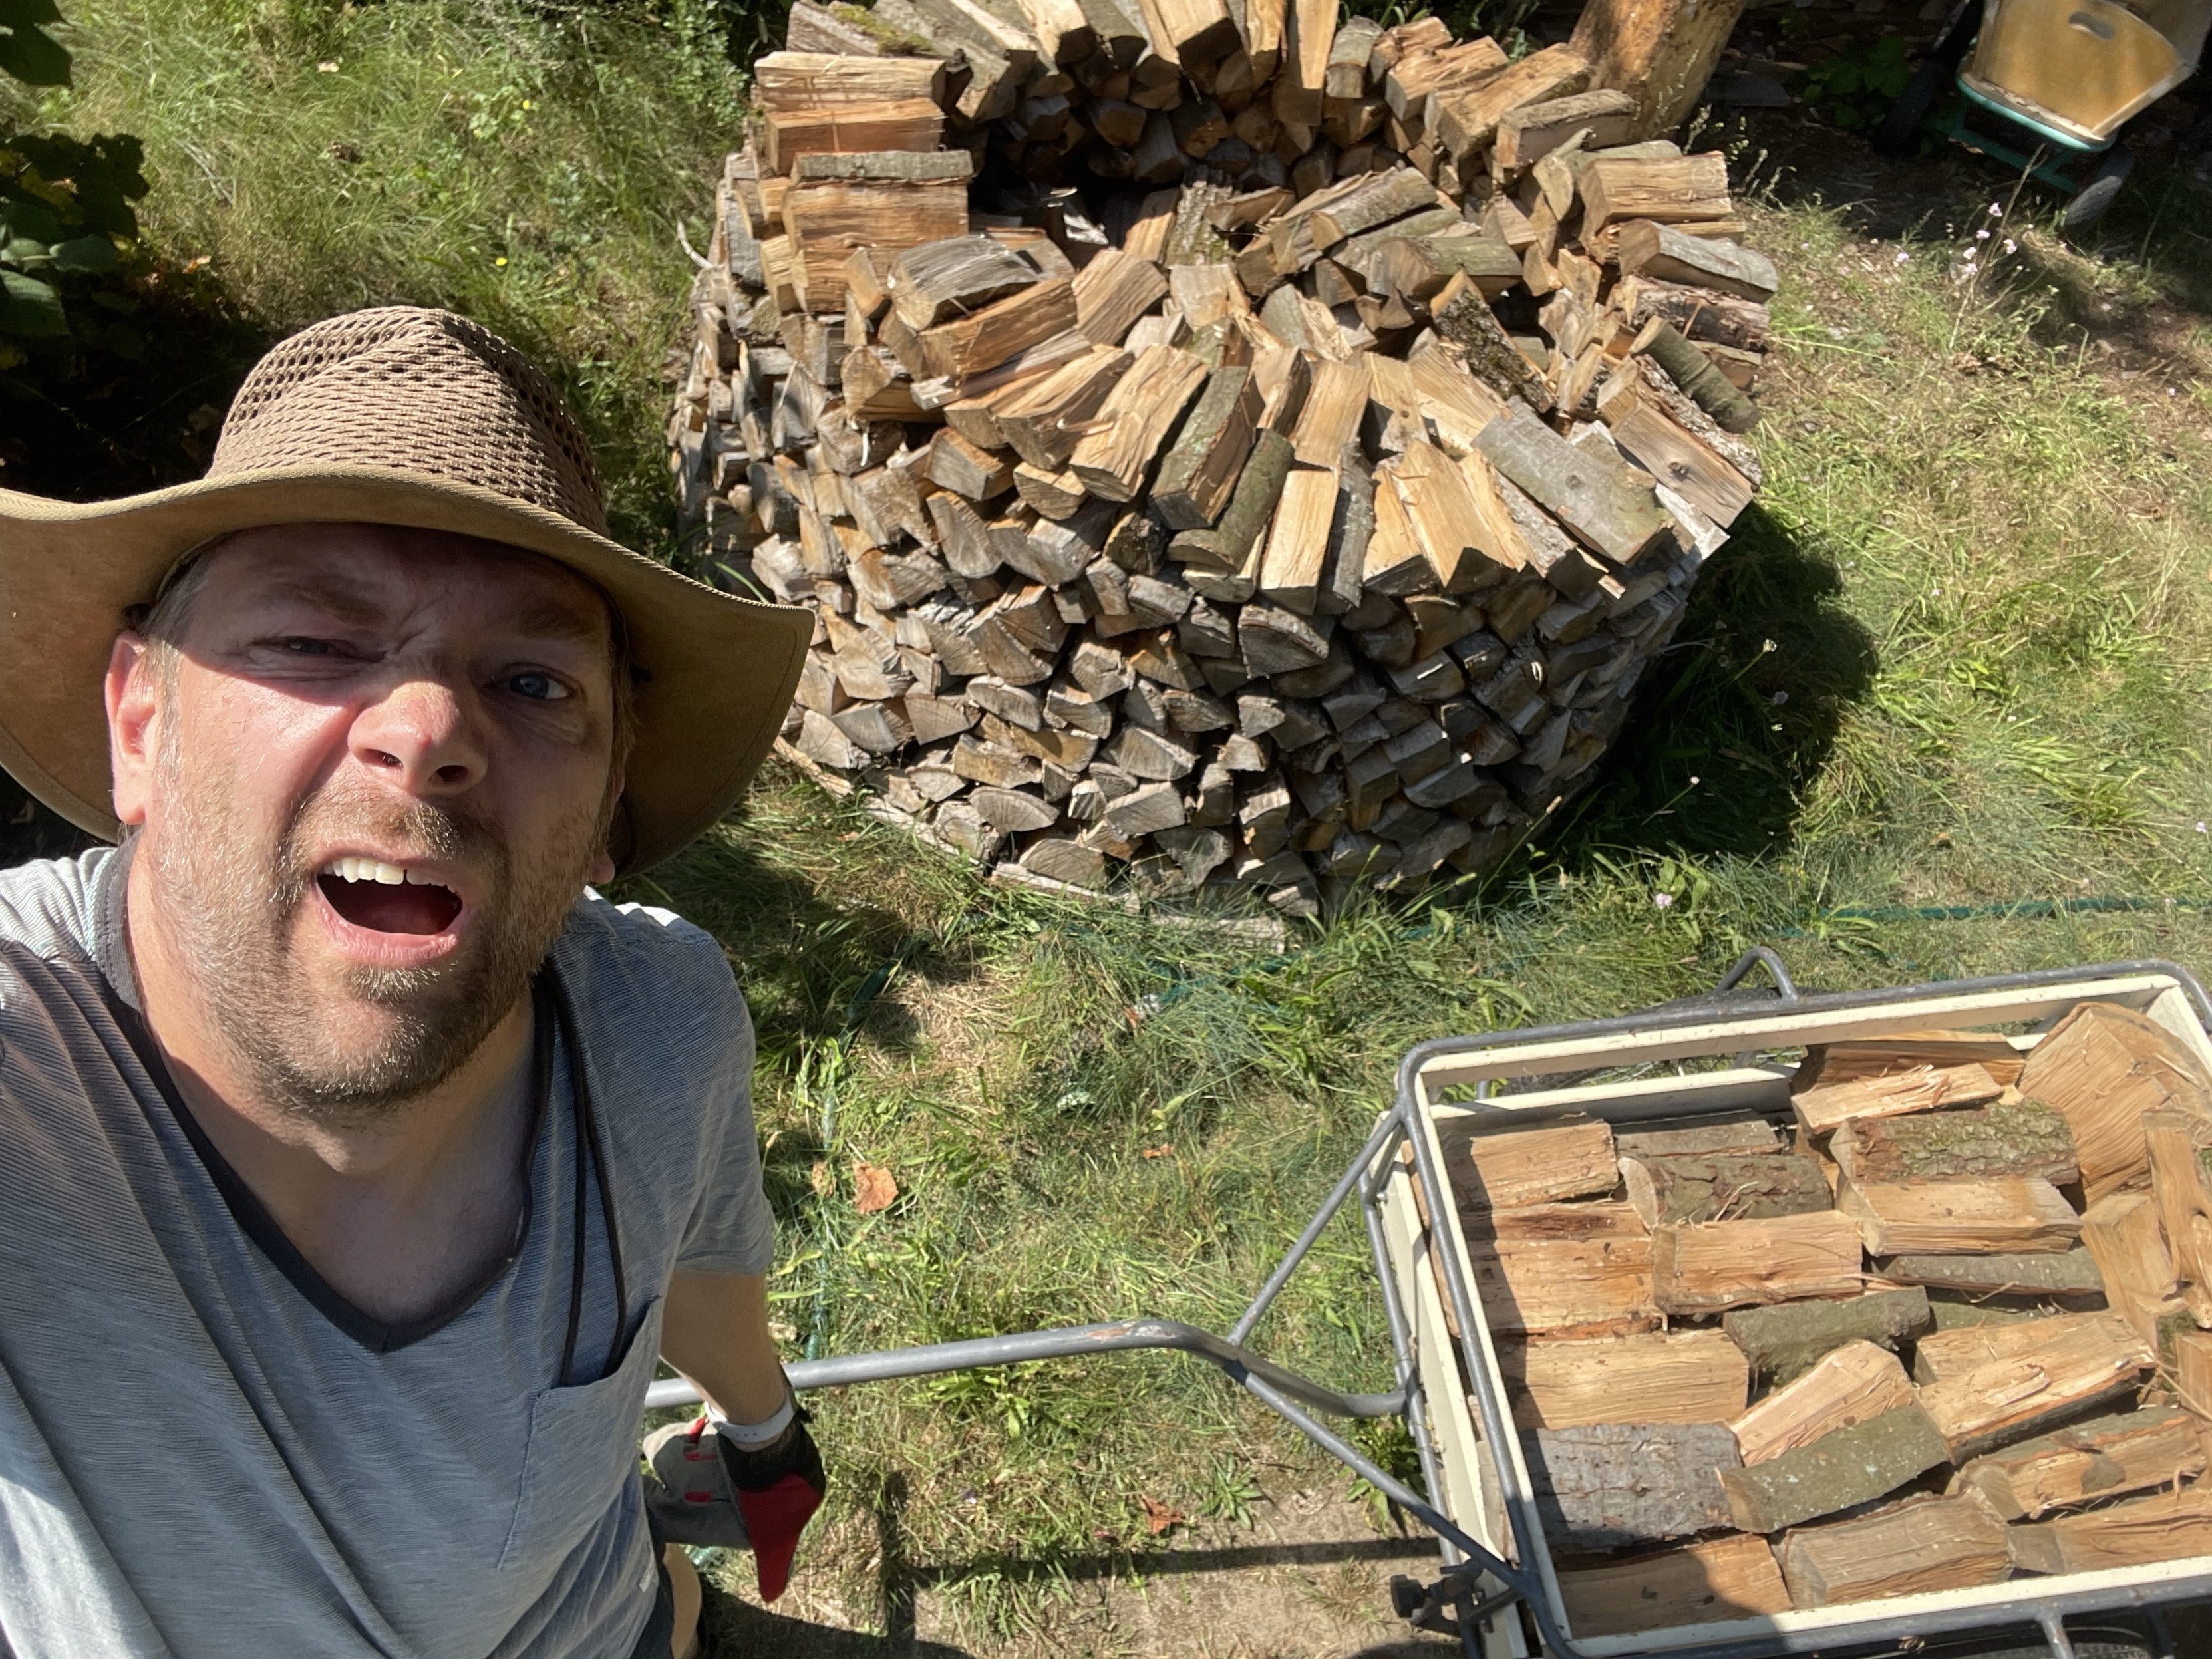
[(720, 672)]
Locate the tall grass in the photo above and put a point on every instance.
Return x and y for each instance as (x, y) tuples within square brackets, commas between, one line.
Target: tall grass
[(525, 164)]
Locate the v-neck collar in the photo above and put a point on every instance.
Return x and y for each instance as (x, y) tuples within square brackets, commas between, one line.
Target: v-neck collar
[(119, 987)]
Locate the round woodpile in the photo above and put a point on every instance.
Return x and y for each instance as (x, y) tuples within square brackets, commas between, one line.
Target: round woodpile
[(1232, 444)]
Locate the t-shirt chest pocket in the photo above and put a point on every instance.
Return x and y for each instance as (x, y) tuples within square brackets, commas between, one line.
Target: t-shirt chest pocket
[(582, 1443)]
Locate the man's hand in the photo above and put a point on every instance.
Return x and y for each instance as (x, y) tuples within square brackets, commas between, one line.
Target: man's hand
[(778, 1487), (715, 1332)]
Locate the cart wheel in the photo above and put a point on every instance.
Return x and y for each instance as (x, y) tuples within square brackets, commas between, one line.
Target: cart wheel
[(1407, 1596), (1901, 126), (2088, 203)]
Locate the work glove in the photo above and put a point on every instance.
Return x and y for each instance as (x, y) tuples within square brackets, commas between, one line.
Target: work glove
[(778, 1487)]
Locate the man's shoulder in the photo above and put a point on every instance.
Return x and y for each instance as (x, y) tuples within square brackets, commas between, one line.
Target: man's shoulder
[(49, 907), (648, 963)]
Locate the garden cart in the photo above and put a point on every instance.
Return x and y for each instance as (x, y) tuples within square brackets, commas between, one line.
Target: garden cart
[(1733, 1051), (2047, 86)]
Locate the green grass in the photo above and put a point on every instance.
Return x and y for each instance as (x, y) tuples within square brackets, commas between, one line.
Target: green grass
[(524, 165), (1981, 560)]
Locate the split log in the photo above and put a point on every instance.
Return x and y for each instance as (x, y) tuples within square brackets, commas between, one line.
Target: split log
[(1946, 1354), (1727, 1264), (986, 338), (1841, 1470), (1928, 1544), (1044, 417), (1500, 1167), (1962, 1217), (1295, 558), (1827, 1107), (1588, 1285), (2171, 1526), (1784, 1342), (1706, 1581), (1668, 189), (2105, 1457), (1680, 1377), (1114, 458), (1604, 1485), (1645, 248), (2122, 1235), (1465, 121), (2176, 1142), (1199, 475), (1728, 1187), (892, 123), (2191, 1358), (944, 279), (2078, 1366), (1852, 1384), (1598, 501), (1871, 1057), (1720, 1134), (1527, 135), (2025, 1141), (2105, 1066), (2061, 1273)]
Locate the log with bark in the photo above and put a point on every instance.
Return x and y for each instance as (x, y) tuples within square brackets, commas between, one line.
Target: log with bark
[(1298, 364)]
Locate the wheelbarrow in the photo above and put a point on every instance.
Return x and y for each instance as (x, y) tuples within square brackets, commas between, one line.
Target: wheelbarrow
[(1496, 1590), (2046, 87)]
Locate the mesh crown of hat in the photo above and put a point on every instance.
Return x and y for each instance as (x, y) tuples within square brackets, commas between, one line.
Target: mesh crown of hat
[(417, 391)]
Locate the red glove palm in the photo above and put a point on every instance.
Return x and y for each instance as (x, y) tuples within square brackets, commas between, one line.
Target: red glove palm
[(778, 1487)]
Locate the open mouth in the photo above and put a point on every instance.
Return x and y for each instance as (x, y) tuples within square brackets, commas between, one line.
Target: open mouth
[(386, 899)]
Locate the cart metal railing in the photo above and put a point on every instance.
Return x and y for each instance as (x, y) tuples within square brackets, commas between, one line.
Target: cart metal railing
[(1456, 1603)]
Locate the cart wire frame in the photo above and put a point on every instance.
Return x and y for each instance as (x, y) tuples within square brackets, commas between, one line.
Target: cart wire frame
[(1468, 1564)]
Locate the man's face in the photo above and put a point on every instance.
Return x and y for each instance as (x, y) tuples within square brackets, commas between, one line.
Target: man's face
[(372, 776)]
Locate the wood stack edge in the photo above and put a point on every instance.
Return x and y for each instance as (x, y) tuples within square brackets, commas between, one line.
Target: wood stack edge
[(1260, 448)]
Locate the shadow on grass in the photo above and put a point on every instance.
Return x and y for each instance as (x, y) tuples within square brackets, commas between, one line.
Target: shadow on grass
[(1734, 720)]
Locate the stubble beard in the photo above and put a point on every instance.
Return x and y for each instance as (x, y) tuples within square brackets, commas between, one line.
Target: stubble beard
[(237, 917)]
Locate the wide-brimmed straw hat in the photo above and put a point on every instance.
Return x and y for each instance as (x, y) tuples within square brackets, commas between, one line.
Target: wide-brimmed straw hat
[(395, 417)]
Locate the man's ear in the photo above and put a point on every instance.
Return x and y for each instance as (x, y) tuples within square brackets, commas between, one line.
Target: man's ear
[(134, 707), (603, 864)]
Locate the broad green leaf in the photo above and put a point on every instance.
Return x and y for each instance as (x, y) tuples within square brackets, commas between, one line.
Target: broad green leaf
[(32, 220), (34, 56), (29, 308), (85, 253)]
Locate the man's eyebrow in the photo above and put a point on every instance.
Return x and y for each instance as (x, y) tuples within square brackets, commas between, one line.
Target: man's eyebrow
[(337, 599), (549, 619)]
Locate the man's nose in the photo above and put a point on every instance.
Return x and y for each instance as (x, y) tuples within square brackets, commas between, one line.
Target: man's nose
[(420, 737)]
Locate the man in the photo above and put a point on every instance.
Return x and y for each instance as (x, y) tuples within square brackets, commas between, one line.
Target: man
[(356, 1160)]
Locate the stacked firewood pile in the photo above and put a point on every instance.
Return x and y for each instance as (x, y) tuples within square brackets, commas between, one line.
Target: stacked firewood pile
[(1958, 1329), (1253, 448)]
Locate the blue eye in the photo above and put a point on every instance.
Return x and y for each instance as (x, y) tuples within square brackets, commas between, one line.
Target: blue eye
[(538, 688)]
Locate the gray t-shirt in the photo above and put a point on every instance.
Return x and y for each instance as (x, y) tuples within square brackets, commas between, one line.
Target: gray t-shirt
[(204, 1453)]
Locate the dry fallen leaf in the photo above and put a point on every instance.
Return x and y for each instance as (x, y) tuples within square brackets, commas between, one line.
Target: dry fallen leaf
[(821, 1180), (1160, 1151), (1159, 1517), (873, 1189)]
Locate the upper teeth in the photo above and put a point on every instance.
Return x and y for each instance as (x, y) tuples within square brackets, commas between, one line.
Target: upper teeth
[(391, 875)]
